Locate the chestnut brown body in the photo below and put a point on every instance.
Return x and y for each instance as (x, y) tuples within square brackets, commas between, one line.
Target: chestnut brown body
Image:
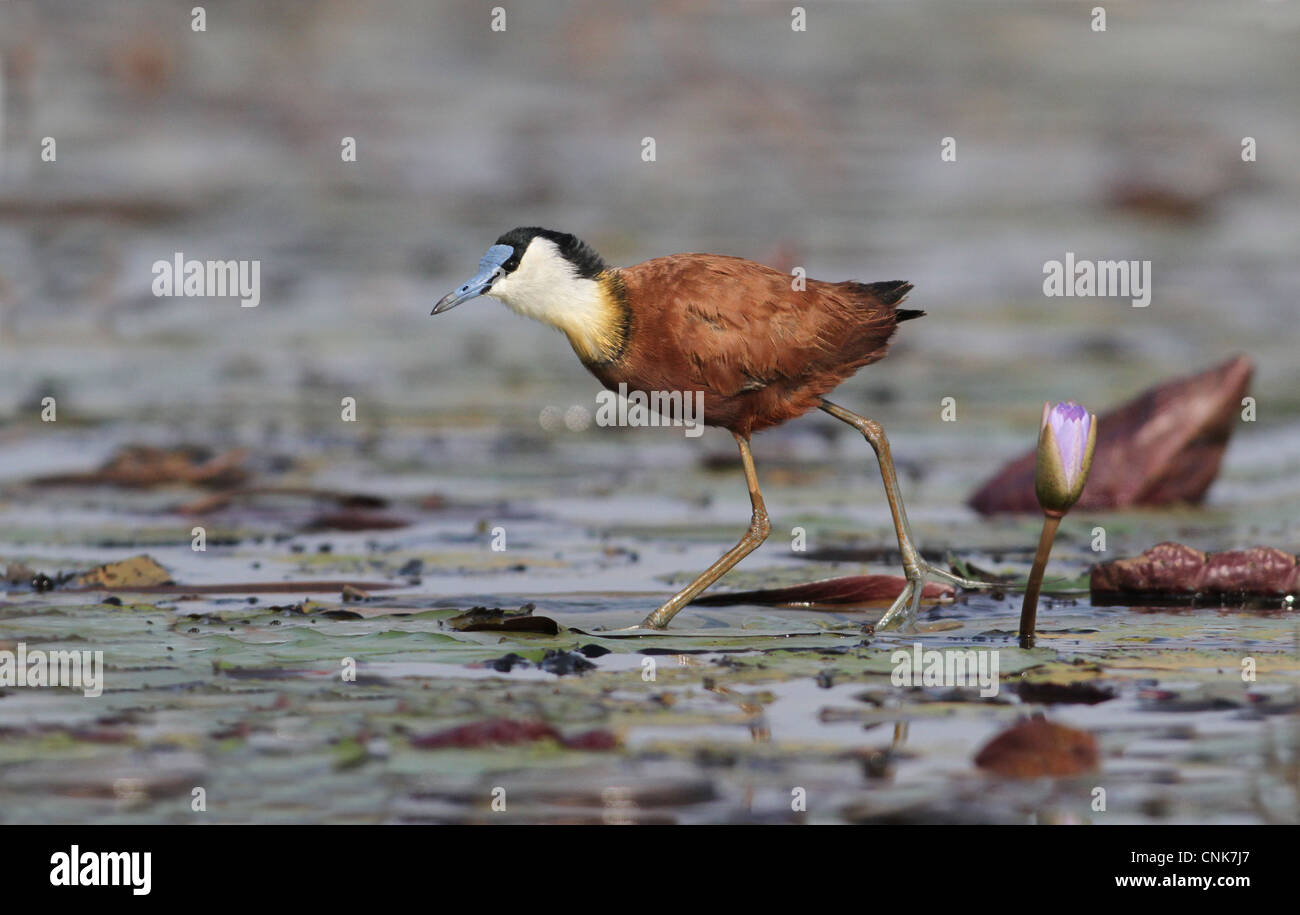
[(760, 351)]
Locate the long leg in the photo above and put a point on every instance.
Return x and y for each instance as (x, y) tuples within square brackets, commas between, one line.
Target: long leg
[(916, 569), (759, 528)]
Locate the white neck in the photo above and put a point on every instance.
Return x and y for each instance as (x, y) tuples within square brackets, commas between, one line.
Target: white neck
[(546, 288)]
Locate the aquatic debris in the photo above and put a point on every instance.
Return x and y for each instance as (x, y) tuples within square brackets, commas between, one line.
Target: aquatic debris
[(355, 520), (1038, 747), (560, 663), (250, 587), (563, 663), (1080, 692), (1175, 572), (484, 619), (508, 662), (144, 466), (19, 573), (850, 589), (596, 739), (1163, 446), (334, 613), (498, 732), (221, 500), (1284, 700), (1163, 200), (1193, 697), (138, 571)]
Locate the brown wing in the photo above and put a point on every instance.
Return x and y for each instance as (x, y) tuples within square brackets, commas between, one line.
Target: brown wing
[(737, 328)]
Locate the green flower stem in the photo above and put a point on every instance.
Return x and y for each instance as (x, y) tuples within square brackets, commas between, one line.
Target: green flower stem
[(1029, 610)]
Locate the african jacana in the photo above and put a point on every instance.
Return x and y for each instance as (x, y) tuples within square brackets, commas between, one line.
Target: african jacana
[(761, 351)]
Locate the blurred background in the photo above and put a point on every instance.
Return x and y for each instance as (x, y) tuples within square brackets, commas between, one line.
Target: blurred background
[(817, 148)]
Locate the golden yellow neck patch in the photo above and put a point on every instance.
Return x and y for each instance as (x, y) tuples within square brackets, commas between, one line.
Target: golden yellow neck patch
[(600, 332)]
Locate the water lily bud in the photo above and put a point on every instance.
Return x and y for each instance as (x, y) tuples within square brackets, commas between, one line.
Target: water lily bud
[(1065, 445)]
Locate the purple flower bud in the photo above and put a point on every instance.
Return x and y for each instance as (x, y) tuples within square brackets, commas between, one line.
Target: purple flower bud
[(1065, 445)]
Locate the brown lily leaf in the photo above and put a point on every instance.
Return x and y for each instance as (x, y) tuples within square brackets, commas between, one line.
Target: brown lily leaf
[(221, 500), (1172, 571), (497, 732), (1038, 747), (1082, 692), (484, 619), (138, 571), (355, 520), (143, 466), (1162, 447), (323, 586), (851, 589)]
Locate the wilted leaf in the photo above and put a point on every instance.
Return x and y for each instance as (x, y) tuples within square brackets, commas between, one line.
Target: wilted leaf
[(263, 587), (509, 732), (355, 520), (484, 619), (146, 466), (851, 589), (1164, 446), (138, 571), (1079, 692), (222, 500), (1172, 571)]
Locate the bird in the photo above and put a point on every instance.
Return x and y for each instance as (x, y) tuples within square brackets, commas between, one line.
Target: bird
[(762, 348)]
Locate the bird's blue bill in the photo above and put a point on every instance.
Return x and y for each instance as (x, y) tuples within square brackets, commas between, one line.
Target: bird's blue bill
[(489, 268)]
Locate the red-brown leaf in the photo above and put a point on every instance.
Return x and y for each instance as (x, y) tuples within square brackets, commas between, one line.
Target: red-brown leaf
[(1162, 447), (1038, 747), (852, 589), (1170, 571), (504, 732)]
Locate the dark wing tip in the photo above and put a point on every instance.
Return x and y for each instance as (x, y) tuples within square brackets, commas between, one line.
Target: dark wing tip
[(890, 292), (907, 314)]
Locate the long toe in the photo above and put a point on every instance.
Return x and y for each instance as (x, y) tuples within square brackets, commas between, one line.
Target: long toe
[(965, 583), (897, 614), (903, 612)]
